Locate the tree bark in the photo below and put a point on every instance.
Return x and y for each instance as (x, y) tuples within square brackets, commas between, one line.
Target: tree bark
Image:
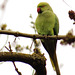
[(37, 61)]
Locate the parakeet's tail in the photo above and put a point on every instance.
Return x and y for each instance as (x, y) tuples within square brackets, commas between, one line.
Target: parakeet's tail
[(54, 63), (50, 46)]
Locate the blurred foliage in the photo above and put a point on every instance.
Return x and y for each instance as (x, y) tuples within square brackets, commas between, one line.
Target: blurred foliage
[(69, 40), (31, 16), (19, 48), (37, 43), (72, 15), (37, 51), (3, 26), (33, 23)]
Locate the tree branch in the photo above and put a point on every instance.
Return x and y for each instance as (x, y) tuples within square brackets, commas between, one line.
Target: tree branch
[(35, 36), (37, 61)]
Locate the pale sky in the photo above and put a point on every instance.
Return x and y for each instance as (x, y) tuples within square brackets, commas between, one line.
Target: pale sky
[(16, 16)]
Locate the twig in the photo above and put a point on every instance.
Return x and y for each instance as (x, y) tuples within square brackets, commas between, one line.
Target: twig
[(5, 43), (31, 46), (19, 73), (7, 48), (66, 3), (10, 50)]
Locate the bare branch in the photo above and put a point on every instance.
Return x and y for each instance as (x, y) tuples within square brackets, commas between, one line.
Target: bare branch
[(10, 50), (37, 61), (19, 73), (35, 36)]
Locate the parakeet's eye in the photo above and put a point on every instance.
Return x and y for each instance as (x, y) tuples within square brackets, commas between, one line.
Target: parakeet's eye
[(43, 6)]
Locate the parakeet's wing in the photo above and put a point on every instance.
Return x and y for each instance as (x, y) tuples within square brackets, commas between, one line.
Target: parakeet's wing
[(56, 26)]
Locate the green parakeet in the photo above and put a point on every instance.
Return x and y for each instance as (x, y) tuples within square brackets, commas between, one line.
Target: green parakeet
[(47, 24)]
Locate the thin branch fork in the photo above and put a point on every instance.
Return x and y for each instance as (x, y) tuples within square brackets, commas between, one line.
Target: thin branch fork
[(35, 36)]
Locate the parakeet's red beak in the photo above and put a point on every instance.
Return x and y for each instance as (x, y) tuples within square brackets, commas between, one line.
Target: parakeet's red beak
[(39, 10)]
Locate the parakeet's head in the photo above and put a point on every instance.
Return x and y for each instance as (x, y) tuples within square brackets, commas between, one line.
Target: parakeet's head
[(43, 6)]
